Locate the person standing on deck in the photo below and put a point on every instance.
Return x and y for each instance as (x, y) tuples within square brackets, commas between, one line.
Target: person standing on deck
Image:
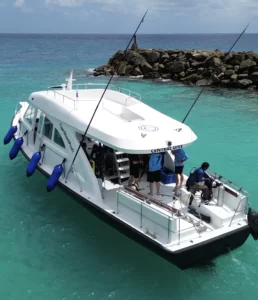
[(154, 171), (180, 157), (135, 165)]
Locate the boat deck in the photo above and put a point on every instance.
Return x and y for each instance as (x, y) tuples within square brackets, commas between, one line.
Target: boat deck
[(220, 215), (166, 192)]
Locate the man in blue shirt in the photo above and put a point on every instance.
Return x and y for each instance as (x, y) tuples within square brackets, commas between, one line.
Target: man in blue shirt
[(155, 164), (199, 178), (180, 158)]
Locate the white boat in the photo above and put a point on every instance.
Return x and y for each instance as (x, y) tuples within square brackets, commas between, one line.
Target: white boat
[(48, 129)]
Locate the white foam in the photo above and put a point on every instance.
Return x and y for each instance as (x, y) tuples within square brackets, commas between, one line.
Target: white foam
[(136, 77), (90, 71), (165, 80)]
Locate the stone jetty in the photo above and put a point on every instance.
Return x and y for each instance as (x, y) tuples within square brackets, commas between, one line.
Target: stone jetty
[(199, 67)]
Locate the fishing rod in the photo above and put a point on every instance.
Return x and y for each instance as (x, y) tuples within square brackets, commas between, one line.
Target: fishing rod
[(122, 58), (208, 81)]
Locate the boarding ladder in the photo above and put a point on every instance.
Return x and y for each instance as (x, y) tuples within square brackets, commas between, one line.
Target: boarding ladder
[(122, 165)]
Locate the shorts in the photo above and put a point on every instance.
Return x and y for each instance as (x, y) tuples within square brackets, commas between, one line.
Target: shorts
[(135, 170), (153, 176), (179, 170)]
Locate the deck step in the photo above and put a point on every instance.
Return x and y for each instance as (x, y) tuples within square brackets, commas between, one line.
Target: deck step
[(123, 168), (123, 159)]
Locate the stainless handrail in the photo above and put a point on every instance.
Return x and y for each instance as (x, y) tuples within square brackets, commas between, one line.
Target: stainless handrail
[(236, 210), (87, 85), (144, 203), (236, 188), (111, 87)]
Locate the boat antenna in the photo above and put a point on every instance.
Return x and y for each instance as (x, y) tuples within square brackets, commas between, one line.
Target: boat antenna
[(121, 59), (208, 81)]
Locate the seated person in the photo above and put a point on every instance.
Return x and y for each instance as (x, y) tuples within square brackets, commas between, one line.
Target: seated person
[(199, 178)]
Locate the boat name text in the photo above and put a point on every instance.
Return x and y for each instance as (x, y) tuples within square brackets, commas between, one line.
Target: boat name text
[(165, 149)]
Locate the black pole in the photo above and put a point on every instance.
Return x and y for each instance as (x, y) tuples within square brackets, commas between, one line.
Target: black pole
[(208, 81), (105, 92)]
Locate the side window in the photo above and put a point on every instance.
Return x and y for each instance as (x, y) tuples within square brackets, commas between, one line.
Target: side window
[(58, 139), (41, 120), (48, 128), (29, 115)]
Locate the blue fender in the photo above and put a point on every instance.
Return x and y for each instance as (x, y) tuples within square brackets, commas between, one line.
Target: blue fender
[(11, 132), (16, 147), (33, 164), (53, 179)]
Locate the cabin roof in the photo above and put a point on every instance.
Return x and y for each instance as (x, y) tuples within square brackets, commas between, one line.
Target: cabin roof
[(121, 121)]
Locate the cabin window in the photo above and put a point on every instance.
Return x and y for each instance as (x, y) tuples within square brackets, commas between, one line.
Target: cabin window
[(48, 128), (29, 115), (58, 139), (41, 120)]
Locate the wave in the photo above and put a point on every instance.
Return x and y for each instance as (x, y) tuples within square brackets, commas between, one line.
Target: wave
[(91, 71)]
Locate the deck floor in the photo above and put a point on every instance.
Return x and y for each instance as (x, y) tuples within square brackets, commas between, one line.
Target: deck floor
[(166, 192)]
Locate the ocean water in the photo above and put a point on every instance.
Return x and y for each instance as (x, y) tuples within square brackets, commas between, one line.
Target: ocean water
[(52, 247)]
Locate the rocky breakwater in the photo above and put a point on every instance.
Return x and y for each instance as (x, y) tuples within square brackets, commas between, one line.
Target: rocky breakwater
[(236, 69)]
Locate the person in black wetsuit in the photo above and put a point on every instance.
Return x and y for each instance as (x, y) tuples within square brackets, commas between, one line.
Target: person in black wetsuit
[(135, 165), (145, 164)]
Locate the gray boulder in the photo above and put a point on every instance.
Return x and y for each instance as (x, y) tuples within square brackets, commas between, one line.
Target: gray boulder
[(177, 67), (146, 68), (136, 72), (128, 69), (164, 58), (151, 75), (212, 62), (246, 64), (153, 57), (229, 73), (244, 83), (203, 82), (122, 68)]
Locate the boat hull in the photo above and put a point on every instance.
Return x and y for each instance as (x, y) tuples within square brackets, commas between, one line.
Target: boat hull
[(206, 251), (183, 259)]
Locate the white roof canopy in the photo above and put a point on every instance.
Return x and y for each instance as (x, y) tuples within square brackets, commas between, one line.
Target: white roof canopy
[(121, 121)]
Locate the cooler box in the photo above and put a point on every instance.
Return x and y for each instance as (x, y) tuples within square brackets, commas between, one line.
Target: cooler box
[(167, 176)]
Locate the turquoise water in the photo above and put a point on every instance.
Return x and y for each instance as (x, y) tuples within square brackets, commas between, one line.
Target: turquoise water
[(53, 248)]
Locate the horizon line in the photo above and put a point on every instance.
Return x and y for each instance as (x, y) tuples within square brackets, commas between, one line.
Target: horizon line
[(54, 33)]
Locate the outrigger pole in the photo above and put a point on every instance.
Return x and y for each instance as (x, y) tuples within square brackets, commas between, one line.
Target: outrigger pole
[(208, 81), (122, 58)]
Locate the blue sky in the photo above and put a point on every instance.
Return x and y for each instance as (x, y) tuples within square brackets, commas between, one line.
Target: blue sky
[(122, 16)]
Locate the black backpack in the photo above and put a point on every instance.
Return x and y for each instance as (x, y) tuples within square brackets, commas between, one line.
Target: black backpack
[(190, 180)]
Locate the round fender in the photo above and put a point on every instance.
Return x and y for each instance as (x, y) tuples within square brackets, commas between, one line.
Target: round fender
[(11, 132), (33, 163), (16, 148), (53, 179)]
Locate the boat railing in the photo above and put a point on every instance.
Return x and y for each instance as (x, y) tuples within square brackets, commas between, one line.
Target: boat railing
[(144, 203), (61, 97), (230, 186), (111, 87), (147, 199), (236, 211)]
